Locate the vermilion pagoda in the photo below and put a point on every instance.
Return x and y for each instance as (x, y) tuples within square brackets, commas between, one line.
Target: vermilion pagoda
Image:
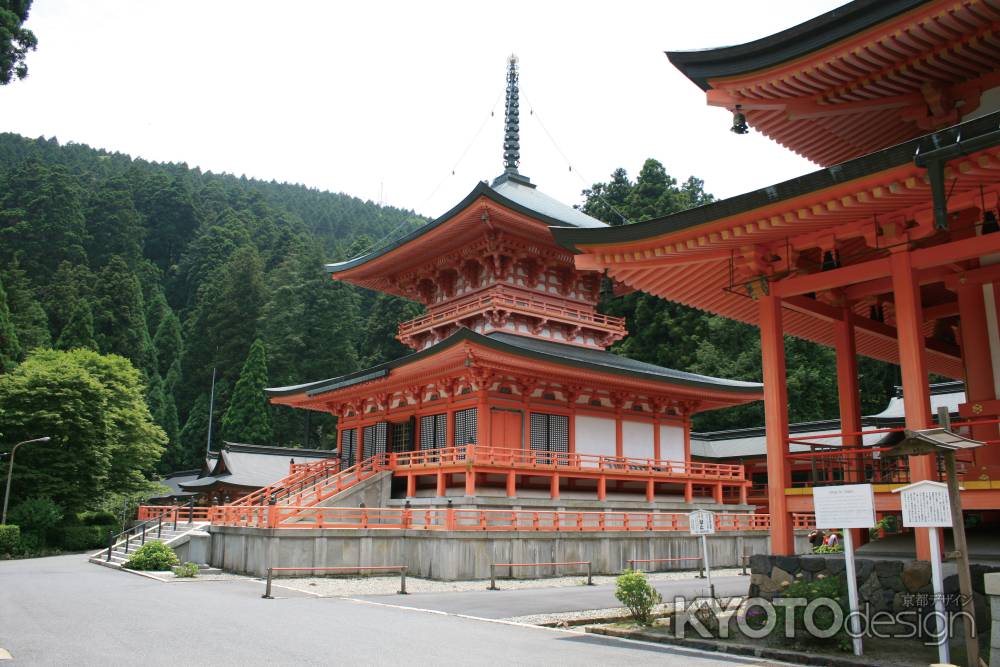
[(889, 251), (510, 392)]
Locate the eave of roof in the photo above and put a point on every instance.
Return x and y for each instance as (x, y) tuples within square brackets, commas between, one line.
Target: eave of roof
[(482, 189), (896, 156), (523, 346), (838, 24)]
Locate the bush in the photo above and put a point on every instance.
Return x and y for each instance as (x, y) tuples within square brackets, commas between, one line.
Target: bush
[(638, 595), (36, 516), (829, 549), (832, 588), (187, 570), (10, 538), (98, 518), (81, 538), (153, 556)]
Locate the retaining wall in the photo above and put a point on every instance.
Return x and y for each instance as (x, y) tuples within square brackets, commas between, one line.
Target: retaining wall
[(452, 555)]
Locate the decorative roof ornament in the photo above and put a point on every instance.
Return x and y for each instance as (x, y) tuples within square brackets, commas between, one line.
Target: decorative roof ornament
[(511, 138), (512, 135)]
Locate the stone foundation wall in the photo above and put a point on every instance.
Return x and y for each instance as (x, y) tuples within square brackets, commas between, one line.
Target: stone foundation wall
[(884, 585), (467, 555)]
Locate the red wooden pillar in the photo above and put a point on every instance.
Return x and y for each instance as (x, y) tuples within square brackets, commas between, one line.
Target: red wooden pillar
[(845, 345), (619, 442), (687, 440), (572, 430), (411, 485), (511, 484), (554, 486), (650, 490), (913, 367), (470, 482), (688, 492), (656, 437), (441, 486), (772, 350), (977, 358), (602, 488), (482, 419)]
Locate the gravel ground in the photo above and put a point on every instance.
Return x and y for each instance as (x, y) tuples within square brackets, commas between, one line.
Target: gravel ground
[(574, 619), (347, 587), (222, 576)]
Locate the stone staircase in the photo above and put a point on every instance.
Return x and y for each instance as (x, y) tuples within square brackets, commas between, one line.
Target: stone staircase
[(165, 533)]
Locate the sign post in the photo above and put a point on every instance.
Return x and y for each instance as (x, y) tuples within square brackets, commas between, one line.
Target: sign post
[(702, 522), (926, 504), (844, 507)]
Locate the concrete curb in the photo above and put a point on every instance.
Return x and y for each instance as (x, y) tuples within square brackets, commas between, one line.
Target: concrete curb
[(784, 655)]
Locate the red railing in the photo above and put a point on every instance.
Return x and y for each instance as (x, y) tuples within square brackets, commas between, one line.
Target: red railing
[(498, 297), (562, 461), (305, 476), (283, 516), (174, 512)]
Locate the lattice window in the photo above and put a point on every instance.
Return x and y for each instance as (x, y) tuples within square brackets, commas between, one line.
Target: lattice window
[(376, 438), (465, 426), (433, 431), (348, 447), (402, 436), (549, 433)]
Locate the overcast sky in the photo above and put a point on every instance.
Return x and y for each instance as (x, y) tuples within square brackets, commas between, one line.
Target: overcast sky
[(382, 99)]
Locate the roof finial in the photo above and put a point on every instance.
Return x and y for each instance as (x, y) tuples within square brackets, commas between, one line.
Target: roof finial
[(511, 137)]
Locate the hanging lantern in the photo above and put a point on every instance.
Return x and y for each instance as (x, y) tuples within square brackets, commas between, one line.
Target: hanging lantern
[(739, 122)]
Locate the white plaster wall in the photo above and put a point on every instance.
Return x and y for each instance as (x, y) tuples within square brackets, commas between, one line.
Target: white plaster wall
[(595, 435), (637, 440), (671, 442)]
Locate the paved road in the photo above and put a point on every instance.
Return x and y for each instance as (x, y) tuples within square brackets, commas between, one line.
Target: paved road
[(64, 611), (528, 601)]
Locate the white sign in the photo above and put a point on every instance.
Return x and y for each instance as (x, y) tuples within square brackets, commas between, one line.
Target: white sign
[(847, 506), (925, 505), (701, 522)]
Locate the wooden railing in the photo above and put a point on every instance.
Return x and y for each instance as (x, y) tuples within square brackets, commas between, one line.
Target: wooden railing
[(562, 461), (381, 518), (304, 477), (502, 298)]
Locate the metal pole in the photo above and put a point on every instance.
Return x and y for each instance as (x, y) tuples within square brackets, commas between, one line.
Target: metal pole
[(267, 589), (191, 511), (590, 578), (143, 534), (941, 631), (176, 510), (402, 580), (111, 543), (211, 409), (10, 474), (852, 593), (708, 565), (493, 577), (159, 526)]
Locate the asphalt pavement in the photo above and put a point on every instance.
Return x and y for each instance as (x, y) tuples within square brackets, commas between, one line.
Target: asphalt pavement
[(65, 611), (530, 601)]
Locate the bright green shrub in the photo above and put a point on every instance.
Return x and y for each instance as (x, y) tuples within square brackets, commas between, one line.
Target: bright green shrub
[(186, 570), (832, 588), (638, 595), (152, 556), (10, 538)]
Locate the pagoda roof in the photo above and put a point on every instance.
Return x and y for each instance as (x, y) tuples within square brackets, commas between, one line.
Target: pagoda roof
[(560, 354), (861, 77), (251, 466), (703, 65), (515, 194)]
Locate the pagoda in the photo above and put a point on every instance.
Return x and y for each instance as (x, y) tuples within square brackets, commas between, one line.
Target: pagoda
[(510, 393)]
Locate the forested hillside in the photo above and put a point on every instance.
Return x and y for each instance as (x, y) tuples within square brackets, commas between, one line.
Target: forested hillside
[(181, 272)]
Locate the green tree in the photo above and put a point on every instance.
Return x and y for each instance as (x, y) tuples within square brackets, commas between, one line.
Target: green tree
[(10, 349), (193, 437), (26, 313), (92, 406), (15, 40), (248, 417), (114, 225), (167, 342), (120, 316), (79, 331)]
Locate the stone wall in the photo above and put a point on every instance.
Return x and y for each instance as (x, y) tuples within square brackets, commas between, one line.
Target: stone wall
[(884, 585), (465, 554)]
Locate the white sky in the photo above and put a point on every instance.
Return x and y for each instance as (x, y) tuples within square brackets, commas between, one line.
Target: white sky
[(370, 97)]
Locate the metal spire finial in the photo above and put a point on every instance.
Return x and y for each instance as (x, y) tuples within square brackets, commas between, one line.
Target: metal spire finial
[(511, 138)]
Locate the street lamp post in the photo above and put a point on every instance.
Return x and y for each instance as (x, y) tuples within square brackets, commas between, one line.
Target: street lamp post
[(10, 472)]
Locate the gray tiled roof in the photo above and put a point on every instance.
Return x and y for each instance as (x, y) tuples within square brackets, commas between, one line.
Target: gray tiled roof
[(252, 465)]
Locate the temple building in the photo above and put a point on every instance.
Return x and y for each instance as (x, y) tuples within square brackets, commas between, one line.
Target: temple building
[(510, 392), (890, 250)]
